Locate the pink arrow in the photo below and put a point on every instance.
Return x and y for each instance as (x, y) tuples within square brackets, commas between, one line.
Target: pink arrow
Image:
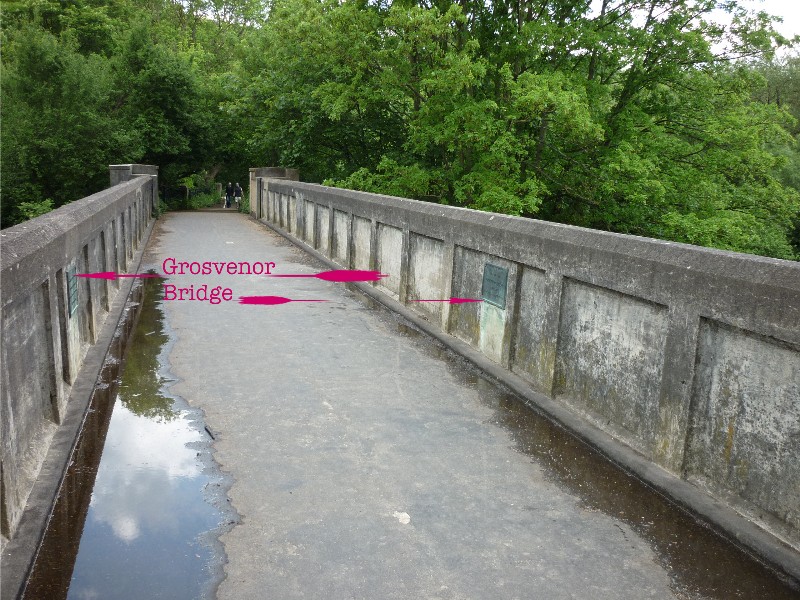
[(452, 300), (270, 300), (112, 275), (342, 275)]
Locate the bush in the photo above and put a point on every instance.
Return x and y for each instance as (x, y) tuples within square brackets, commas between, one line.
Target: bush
[(30, 210), (203, 200), (244, 205)]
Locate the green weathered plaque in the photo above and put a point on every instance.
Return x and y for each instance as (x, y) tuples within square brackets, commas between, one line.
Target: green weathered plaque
[(72, 291), (495, 282)]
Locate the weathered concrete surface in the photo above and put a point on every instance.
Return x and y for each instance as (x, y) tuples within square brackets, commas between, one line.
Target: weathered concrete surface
[(120, 173), (601, 361), (620, 330), (50, 320), (61, 451), (362, 466)]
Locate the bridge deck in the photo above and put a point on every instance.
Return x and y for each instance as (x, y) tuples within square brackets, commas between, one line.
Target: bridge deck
[(365, 463)]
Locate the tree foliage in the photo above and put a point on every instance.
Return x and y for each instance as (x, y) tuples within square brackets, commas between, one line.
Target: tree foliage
[(643, 117), (638, 116), (88, 83)]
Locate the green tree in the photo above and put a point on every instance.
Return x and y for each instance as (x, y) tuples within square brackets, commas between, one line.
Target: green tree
[(86, 83), (59, 131), (642, 117), (781, 87), (625, 119)]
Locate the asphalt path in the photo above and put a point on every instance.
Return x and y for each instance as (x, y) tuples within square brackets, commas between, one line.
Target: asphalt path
[(363, 463)]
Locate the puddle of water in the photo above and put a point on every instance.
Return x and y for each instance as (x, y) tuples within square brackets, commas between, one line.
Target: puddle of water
[(701, 564), (136, 512)]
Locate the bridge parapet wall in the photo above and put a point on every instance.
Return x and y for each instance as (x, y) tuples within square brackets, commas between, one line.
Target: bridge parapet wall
[(258, 179), (120, 173), (691, 356), (50, 318)]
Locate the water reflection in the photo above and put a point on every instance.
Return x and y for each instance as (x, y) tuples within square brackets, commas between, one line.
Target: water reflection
[(140, 538), (141, 389), (134, 515), (700, 563)]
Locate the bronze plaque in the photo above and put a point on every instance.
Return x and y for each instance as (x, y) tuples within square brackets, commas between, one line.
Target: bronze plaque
[(72, 290), (495, 282)]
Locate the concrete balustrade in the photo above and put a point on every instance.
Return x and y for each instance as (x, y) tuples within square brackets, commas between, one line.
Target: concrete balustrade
[(50, 318), (689, 356), (263, 173)]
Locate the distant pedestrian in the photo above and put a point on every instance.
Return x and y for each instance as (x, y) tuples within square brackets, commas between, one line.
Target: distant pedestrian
[(228, 194), (237, 194)]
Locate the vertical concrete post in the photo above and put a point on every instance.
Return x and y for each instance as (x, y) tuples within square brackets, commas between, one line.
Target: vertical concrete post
[(119, 173), (554, 285), (137, 222), (448, 260), (255, 205), (51, 385), (122, 252), (10, 499), (58, 345), (67, 371), (512, 314), (269, 199), (105, 266), (131, 234), (313, 226), (90, 295), (300, 214), (272, 202), (373, 248), (351, 241), (331, 225), (405, 260), (676, 388)]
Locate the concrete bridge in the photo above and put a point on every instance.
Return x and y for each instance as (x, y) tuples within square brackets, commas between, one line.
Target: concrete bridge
[(362, 466)]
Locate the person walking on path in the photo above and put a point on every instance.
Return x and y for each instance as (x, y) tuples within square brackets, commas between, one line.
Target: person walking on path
[(237, 194), (228, 194)]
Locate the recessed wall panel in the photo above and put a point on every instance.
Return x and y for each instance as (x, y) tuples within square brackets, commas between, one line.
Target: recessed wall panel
[(610, 358), (745, 422), (426, 274), (341, 236), (481, 324), (362, 243), (310, 221), (324, 229), (284, 208), (390, 255), (533, 352)]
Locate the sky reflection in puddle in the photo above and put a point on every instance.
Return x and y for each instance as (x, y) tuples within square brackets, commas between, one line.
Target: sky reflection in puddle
[(143, 536), (140, 537), (147, 527)]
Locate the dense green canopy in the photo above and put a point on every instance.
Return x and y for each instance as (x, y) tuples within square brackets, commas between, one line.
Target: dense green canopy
[(640, 116)]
